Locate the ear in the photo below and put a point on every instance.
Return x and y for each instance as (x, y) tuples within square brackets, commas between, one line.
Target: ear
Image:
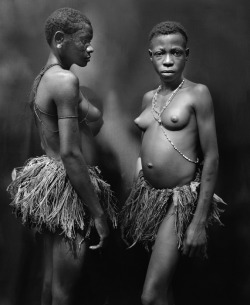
[(150, 54), (187, 53), (59, 38)]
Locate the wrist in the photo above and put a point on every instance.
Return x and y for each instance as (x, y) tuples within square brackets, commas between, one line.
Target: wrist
[(199, 223), (99, 215)]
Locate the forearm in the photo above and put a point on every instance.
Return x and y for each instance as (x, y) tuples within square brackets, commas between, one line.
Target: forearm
[(77, 171), (138, 167), (207, 186)]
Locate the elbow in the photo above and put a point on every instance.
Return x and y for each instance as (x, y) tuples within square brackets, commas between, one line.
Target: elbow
[(215, 163), (70, 155), (212, 161), (216, 160)]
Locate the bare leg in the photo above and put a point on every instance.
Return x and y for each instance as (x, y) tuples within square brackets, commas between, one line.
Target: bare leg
[(48, 270), (62, 269), (157, 288), (67, 269)]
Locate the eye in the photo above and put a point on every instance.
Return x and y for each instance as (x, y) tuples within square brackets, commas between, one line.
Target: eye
[(84, 39), (84, 44), (177, 52), (158, 54)]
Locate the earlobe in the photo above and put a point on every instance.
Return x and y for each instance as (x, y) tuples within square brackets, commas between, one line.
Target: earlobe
[(150, 54), (59, 38)]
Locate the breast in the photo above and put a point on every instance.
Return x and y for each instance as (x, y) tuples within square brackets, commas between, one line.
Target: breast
[(88, 111), (176, 118), (144, 120)]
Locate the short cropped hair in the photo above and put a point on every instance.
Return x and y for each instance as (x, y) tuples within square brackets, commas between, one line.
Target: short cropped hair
[(64, 19), (166, 28)]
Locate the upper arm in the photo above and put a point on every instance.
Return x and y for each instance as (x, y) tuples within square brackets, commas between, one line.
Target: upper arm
[(206, 121), (66, 97), (146, 100)]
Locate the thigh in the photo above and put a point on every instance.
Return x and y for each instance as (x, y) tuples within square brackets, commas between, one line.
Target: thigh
[(46, 297), (67, 266), (48, 257), (165, 255)]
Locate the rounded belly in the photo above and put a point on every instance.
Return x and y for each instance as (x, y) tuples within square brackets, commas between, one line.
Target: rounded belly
[(162, 165)]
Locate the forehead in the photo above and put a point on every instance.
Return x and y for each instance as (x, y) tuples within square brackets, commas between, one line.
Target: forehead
[(85, 32), (169, 40)]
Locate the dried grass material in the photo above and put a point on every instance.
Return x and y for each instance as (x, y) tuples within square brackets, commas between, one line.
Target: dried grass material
[(146, 207), (44, 198)]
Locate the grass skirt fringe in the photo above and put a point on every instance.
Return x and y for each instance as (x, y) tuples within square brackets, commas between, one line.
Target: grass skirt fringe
[(146, 207), (44, 198)]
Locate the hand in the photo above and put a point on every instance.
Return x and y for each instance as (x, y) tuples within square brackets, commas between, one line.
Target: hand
[(195, 240), (102, 230)]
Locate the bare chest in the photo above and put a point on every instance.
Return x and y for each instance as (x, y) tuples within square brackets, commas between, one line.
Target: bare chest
[(87, 111), (174, 117)]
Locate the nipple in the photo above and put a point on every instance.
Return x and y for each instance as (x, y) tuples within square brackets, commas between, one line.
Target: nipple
[(174, 119), (150, 165), (136, 121)]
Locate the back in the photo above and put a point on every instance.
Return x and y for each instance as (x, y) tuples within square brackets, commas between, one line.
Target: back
[(45, 111)]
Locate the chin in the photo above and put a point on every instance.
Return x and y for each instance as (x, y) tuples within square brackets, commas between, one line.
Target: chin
[(166, 78), (170, 77), (82, 64)]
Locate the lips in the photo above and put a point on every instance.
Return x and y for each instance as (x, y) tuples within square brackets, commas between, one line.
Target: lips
[(167, 71)]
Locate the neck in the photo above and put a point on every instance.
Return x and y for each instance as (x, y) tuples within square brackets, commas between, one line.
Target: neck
[(54, 59), (171, 85)]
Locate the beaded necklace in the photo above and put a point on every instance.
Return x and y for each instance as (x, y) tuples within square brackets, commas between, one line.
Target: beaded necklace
[(157, 116), (156, 113)]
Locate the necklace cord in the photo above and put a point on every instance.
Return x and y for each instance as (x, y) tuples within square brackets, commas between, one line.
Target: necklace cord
[(157, 116)]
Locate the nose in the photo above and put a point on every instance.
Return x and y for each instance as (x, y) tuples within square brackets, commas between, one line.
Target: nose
[(90, 49), (168, 61)]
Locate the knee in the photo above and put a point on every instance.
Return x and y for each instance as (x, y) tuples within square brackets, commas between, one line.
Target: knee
[(46, 293), (148, 298), (60, 296)]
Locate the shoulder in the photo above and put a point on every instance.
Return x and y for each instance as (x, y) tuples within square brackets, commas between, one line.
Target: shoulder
[(147, 99), (200, 95), (201, 90), (62, 84)]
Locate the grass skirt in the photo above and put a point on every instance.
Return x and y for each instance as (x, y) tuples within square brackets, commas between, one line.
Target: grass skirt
[(146, 207), (44, 198)]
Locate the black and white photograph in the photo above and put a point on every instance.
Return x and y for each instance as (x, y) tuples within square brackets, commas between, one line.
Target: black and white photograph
[(124, 152)]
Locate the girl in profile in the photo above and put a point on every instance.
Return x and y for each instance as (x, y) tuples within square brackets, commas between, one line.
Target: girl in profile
[(61, 193)]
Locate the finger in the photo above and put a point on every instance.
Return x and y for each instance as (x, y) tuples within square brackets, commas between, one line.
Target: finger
[(95, 247), (100, 245)]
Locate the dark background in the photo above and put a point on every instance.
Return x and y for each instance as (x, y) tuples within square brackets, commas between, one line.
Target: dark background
[(119, 74)]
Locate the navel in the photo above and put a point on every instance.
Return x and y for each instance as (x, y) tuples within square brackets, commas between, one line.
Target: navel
[(150, 165), (174, 119)]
